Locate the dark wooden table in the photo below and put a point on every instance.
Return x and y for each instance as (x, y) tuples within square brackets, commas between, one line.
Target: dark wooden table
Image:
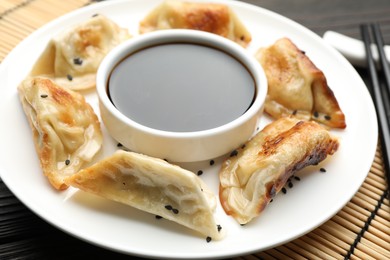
[(23, 235)]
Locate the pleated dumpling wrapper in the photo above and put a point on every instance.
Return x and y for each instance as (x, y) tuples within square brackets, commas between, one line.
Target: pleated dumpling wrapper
[(66, 131), (249, 180), (155, 186), (297, 87), (209, 17), (72, 57)]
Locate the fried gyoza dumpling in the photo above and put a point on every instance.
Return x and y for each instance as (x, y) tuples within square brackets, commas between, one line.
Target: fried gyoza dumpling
[(210, 17), (66, 131), (152, 185), (297, 87), (251, 179), (72, 58)]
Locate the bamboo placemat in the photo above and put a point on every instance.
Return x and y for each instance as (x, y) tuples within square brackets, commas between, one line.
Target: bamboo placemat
[(361, 230)]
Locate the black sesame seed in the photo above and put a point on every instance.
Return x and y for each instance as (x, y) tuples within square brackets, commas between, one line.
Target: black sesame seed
[(322, 170), (242, 225), (208, 239), (315, 114), (200, 172), (175, 211), (212, 162), (69, 77), (303, 52), (77, 61), (284, 190), (119, 145), (271, 200), (297, 178), (158, 217), (94, 15), (44, 96), (290, 184), (219, 227), (294, 112), (67, 162), (327, 117), (168, 207), (233, 153)]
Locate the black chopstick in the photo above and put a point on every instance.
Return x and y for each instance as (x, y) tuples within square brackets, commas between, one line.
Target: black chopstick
[(380, 96), (382, 56)]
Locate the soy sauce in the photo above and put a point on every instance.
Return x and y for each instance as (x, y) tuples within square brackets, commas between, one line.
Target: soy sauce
[(181, 87)]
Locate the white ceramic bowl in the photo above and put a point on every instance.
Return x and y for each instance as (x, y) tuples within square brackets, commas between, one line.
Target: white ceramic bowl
[(178, 146)]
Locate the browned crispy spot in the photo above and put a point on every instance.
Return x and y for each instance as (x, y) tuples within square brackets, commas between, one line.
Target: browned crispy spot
[(209, 20)]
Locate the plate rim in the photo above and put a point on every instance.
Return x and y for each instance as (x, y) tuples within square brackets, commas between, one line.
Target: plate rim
[(139, 253)]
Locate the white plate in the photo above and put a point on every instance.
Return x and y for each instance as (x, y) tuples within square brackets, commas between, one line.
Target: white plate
[(312, 201)]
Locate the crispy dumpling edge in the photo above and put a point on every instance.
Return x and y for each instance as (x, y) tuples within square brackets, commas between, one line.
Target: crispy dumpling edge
[(275, 130), (142, 161), (44, 152), (237, 30), (277, 110), (46, 62)]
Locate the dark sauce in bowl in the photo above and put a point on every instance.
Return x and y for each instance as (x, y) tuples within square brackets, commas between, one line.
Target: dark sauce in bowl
[(181, 87)]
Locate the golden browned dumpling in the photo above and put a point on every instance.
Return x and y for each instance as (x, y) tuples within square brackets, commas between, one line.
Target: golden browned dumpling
[(297, 87), (155, 186), (66, 131), (72, 58), (249, 180), (210, 17)]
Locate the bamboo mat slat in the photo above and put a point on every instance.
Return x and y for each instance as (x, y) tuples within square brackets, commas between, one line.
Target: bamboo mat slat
[(7, 5), (20, 18), (324, 244), (361, 230)]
